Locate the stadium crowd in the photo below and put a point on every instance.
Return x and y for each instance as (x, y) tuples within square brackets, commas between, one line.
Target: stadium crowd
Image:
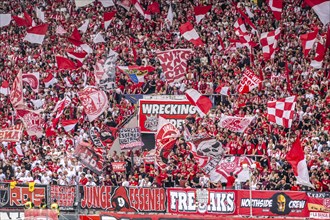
[(50, 159)]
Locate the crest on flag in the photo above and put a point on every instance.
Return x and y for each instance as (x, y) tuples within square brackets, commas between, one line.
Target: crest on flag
[(33, 122), (94, 101)]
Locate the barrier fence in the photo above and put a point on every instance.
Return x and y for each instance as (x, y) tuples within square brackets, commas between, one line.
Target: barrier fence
[(206, 202)]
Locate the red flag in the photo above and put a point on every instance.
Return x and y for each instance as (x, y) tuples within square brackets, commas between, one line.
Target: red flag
[(222, 45), (287, 71), (32, 79), (66, 64), (296, 157), (16, 93), (107, 17), (28, 19), (154, 8), (68, 125), (20, 21), (319, 54)]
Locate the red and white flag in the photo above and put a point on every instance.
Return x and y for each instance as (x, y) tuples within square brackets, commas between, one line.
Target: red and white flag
[(268, 41), (201, 11), (188, 31), (202, 103), (61, 105), (4, 89), (66, 64), (36, 35), (77, 55), (282, 111), (50, 80), (82, 3), (221, 44), (98, 72), (107, 17), (75, 39), (321, 8), (319, 53), (5, 20), (32, 79), (308, 40), (40, 14), (276, 7), (33, 122), (94, 102), (16, 93), (223, 90), (296, 157), (60, 30), (235, 124), (239, 27), (18, 150), (141, 10), (248, 82), (174, 71), (68, 125), (125, 4), (25, 21)]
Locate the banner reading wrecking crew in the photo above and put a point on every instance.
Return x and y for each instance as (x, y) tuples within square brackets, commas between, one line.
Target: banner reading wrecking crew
[(175, 111)]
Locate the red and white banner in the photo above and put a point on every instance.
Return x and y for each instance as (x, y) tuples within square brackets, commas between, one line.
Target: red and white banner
[(94, 101), (118, 166), (68, 125), (89, 156), (107, 18), (248, 82), (32, 79), (308, 40), (174, 63), (50, 80), (175, 111), (11, 134), (33, 122), (202, 103), (268, 41), (4, 89), (77, 56), (16, 93), (61, 105), (130, 138), (65, 196), (276, 7), (321, 8), (235, 124), (233, 165), (320, 52)]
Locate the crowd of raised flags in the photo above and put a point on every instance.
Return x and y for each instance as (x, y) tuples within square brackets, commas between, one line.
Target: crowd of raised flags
[(67, 66)]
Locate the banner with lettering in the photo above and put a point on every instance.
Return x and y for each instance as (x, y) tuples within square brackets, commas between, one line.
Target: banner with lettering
[(12, 134), (122, 199), (248, 82), (319, 205), (16, 196), (130, 138), (273, 203), (65, 196), (89, 156), (175, 111), (118, 166), (201, 201)]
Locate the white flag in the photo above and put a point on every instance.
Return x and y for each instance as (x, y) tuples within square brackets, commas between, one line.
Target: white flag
[(170, 15), (98, 39), (40, 14), (5, 19), (107, 3), (83, 28)]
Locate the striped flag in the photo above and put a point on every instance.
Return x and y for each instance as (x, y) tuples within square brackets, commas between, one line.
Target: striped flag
[(68, 125)]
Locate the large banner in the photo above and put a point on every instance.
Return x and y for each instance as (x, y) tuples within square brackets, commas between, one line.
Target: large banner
[(319, 205), (11, 134), (130, 138), (235, 124), (273, 203), (33, 121), (122, 199), (174, 111), (248, 82), (17, 196), (65, 196), (201, 201), (90, 156), (174, 63)]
